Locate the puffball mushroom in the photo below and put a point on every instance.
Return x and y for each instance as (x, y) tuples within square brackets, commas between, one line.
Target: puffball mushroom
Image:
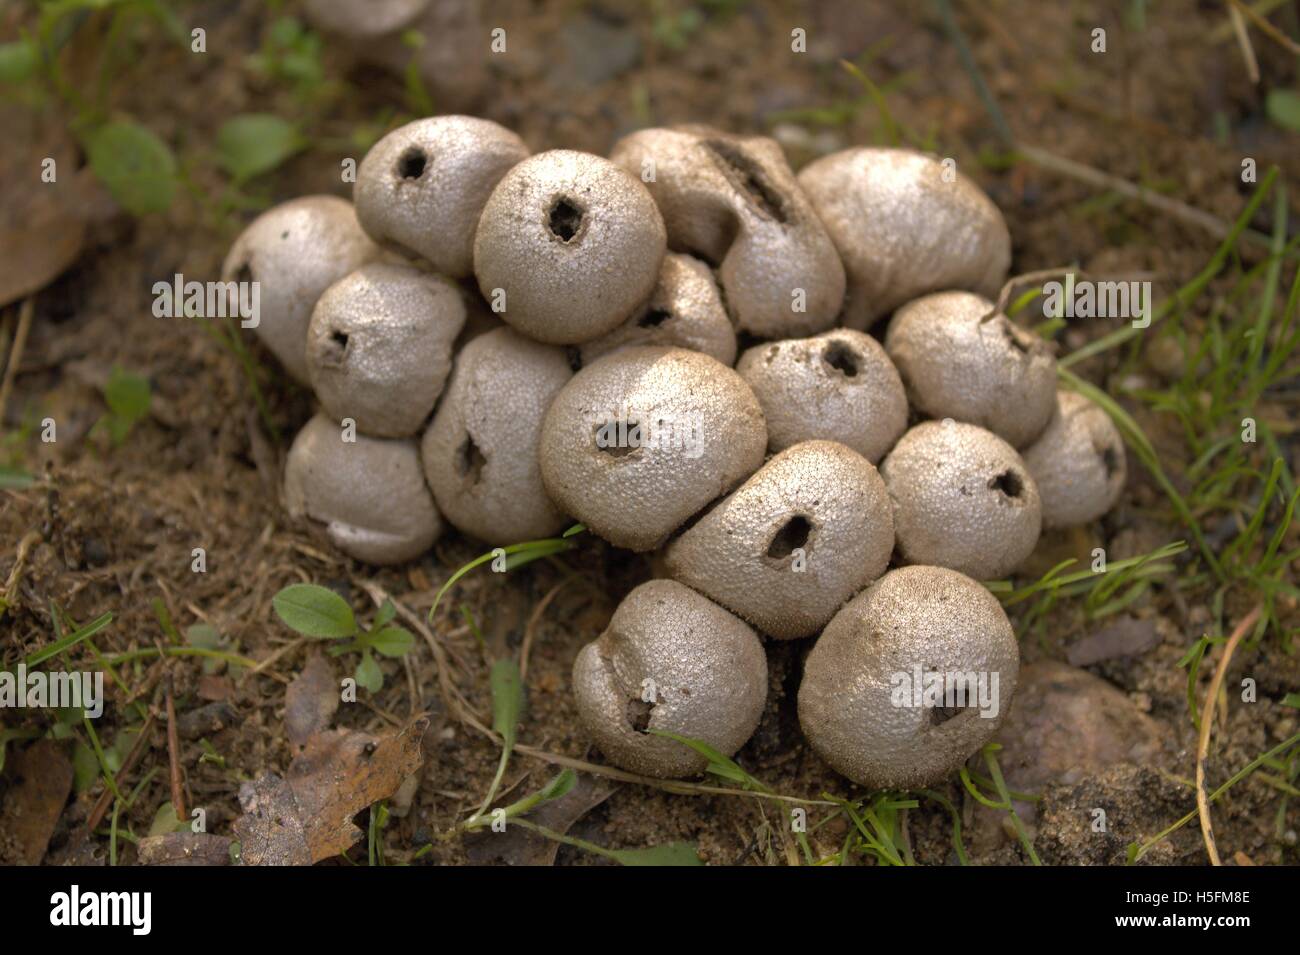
[(1078, 463), (673, 661), (640, 440), (685, 311), (955, 364), (571, 244), (839, 385), (904, 225), (421, 189), (734, 202), (371, 19), (379, 346), (784, 551), (481, 451), (294, 251), (859, 703), (963, 499), (368, 494)]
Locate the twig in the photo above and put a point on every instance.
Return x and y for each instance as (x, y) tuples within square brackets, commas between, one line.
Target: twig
[(1243, 41), (174, 756), (1203, 744), (531, 627), (16, 353), (1267, 28), (98, 811)]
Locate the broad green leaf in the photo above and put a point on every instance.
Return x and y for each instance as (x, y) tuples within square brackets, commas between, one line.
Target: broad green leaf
[(668, 854), (1283, 108), (391, 641), (368, 673), (314, 611), (255, 143), (137, 167), (507, 699)]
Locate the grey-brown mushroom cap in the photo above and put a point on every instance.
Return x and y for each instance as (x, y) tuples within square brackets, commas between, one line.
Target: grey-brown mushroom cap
[(294, 251), (707, 676), (902, 229), (368, 496), (734, 202), (963, 498), (855, 702), (363, 20), (573, 242), (955, 364), (685, 311), (481, 451), (1078, 463), (786, 549), (379, 346), (839, 385), (702, 434), (421, 189)]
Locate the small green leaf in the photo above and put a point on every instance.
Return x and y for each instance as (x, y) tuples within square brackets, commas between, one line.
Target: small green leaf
[(128, 397), (165, 821), (85, 767), (668, 854), (255, 143), (1291, 699), (368, 673), (392, 641), (507, 699), (137, 167), (17, 61), (559, 786), (314, 611), (15, 479), (387, 611), (1283, 108), (719, 765)]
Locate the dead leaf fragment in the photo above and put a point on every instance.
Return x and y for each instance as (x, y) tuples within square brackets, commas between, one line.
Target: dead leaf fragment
[(519, 846), (184, 848), (307, 816), (311, 701), (40, 780)]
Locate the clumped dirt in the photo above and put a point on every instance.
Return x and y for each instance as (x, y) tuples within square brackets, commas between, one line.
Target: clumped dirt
[(113, 528)]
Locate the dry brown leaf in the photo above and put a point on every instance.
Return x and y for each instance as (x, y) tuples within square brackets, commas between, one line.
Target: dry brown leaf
[(184, 848), (40, 779), (42, 228), (307, 816), (311, 701)]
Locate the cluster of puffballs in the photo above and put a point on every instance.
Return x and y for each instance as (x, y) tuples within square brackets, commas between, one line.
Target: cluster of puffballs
[(508, 342)]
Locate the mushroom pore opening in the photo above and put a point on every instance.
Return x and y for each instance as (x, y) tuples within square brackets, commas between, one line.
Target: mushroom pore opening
[(638, 714), (1110, 461), (565, 219), (617, 437), (791, 535), (654, 318), (410, 165), (748, 178), (842, 359), (470, 461), (1009, 483)]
